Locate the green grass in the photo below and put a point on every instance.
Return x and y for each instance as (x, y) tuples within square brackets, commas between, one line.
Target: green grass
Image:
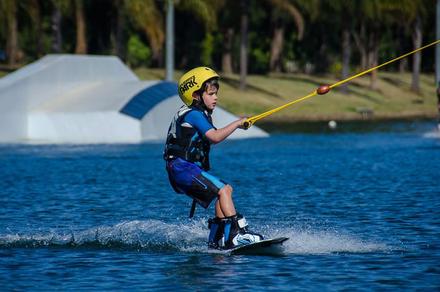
[(392, 99)]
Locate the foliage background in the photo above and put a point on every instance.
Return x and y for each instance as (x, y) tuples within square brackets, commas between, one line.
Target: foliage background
[(200, 31)]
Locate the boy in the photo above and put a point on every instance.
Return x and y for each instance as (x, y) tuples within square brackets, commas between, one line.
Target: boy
[(187, 158)]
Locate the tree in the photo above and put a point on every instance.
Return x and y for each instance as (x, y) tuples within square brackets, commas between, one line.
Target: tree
[(81, 38), (8, 13), (147, 17), (417, 57), (207, 12), (34, 11), (368, 35), (244, 42), (230, 20), (228, 37), (117, 34), (408, 14), (57, 36), (282, 11), (417, 35), (345, 10), (204, 10), (60, 8)]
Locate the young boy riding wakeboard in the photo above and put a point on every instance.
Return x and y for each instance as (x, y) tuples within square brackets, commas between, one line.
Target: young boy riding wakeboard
[(187, 148)]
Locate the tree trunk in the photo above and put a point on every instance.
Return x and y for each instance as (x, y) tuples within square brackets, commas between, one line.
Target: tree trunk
[(81, 43), (243, 44), (57, 37), (34, 10), (346, 54), (276, 48), (403, 63), (156, 53), (321, 60), (373, 75), (159, 58), (156, 42), (11, 41), (361, 42), (118, 31), (417, 57), (373, 55), (227, 51)]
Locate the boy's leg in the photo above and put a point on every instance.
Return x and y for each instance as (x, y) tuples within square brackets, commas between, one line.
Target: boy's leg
[(224, 206), (218, 210), (229, 229)]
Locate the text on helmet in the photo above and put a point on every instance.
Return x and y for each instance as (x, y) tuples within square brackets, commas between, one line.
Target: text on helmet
[(187, 84)]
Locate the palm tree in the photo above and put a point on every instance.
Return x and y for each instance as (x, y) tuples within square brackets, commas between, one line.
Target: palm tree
[(117, 33), (59, 9), (57, 36), (81, 38), (34, 11), (421, 11), (367, 35), (204, 10), (282, 11), (417, 57), (230, 20), (244, 43), (147, 17), (408, 14), (207, 12), (8, 14), (228, 37), (345, 9)]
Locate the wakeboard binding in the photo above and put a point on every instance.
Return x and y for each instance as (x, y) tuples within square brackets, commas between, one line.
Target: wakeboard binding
[(230, 232)]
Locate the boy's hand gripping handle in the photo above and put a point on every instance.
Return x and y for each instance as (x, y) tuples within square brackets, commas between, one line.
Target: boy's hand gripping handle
[(247, 124)]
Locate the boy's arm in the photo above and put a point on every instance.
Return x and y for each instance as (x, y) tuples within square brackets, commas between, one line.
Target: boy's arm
[(216, 136)]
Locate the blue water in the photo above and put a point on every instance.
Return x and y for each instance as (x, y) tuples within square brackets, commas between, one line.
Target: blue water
[(361, 211)]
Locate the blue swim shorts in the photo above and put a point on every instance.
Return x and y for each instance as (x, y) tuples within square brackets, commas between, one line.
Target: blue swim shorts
[(188, 178)]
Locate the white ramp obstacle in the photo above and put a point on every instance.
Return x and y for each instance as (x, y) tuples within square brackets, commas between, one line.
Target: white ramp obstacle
[(89, 99)]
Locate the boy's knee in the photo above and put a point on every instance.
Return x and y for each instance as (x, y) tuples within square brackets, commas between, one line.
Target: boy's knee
[(227, 190)]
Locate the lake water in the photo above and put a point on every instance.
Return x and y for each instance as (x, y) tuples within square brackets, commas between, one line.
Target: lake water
[(362, 210)]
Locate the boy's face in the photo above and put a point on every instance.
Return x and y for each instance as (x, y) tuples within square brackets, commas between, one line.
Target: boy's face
[(210, 97)]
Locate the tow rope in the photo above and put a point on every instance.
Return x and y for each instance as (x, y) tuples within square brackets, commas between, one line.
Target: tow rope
[(323, 89)]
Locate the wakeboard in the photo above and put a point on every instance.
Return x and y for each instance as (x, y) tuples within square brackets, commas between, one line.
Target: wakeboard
[(265, 247)]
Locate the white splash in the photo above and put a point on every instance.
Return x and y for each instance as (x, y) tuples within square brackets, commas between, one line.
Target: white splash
[(187, 237), (313, 241)]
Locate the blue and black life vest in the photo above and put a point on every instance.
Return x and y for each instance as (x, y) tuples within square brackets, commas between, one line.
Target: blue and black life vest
[(185, 142)]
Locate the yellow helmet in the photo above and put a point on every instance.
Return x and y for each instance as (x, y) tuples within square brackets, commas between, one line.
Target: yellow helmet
[(192, 81)]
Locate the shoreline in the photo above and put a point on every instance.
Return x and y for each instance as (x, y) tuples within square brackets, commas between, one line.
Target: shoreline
[(344, 123), (352, 117)]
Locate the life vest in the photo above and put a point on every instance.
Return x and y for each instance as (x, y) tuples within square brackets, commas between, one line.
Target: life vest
[(185, 142)]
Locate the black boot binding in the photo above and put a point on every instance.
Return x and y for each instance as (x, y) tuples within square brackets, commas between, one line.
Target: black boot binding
[(216, 227), (230, 232)]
